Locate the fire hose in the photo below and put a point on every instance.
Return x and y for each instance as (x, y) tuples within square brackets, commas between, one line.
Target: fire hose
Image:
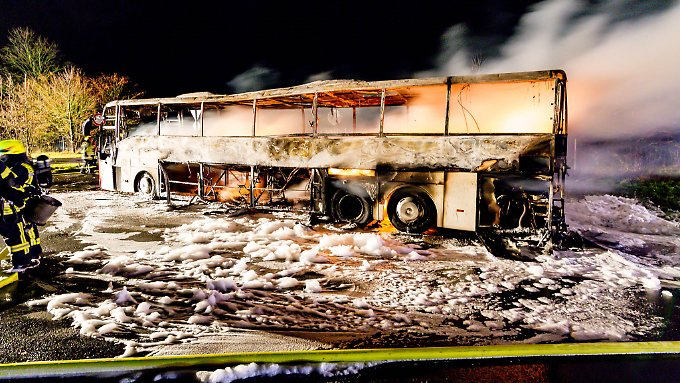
[(6, 279), (67, 368)]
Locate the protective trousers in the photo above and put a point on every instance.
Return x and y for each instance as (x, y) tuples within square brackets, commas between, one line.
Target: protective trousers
[(21, 237)]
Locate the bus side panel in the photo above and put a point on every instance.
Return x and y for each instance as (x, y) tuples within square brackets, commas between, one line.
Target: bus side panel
[(125, 177), (460, 201), (106, 175)]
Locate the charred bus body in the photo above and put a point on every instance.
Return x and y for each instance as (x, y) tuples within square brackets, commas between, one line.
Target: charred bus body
[(471, 153)]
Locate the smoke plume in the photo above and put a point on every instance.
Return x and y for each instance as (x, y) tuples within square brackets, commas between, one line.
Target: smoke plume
[(255, 78), (621, 59)]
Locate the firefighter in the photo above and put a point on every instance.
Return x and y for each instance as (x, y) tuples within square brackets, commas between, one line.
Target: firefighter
[(16, 188), (87, 126), (88, 155)]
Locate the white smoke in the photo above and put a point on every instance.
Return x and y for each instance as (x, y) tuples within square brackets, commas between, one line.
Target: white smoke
[(327, 75), (255, 78), (623, 74)]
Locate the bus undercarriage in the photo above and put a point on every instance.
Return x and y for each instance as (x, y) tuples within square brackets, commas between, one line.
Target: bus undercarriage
[(505, 204)]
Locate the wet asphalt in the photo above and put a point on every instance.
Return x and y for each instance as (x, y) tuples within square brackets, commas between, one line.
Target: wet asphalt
[(29, 334)]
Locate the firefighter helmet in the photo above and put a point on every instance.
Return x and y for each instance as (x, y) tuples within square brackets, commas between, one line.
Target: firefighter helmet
[(12, 147)]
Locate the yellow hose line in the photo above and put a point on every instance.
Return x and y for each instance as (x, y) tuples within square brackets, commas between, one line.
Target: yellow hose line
[(85, 366), (6, 279)]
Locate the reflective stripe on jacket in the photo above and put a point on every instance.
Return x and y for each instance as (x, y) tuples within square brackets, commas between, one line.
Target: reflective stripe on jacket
[(24, 179)]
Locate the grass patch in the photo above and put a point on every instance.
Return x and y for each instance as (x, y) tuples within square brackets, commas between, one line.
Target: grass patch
[(66, 167), (63, 155), (62, 162), (661, 191)]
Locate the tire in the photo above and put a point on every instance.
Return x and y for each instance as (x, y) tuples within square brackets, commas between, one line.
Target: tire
[(146, 185), (349, 207), (411, 210)]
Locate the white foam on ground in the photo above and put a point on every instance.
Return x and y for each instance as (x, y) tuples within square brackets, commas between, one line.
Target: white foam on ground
[(214, 274), (252, 370)]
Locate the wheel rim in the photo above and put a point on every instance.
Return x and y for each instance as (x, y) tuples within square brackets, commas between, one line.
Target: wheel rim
[(408, 210), (411, 210), (145, 185)]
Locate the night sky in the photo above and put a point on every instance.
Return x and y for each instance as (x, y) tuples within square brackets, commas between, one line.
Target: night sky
[(173, 47), (621, 56)]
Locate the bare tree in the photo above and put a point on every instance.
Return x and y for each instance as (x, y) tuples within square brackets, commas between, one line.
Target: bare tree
[(109, 87), (67, 99), (21, 115), (28, 55), (41, 102)]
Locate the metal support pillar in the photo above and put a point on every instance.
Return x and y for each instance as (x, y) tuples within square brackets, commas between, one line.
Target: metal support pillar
[(252, 186), (201, 181)]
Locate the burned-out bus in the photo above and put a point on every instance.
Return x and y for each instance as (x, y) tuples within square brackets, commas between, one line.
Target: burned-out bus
[(461, 152)]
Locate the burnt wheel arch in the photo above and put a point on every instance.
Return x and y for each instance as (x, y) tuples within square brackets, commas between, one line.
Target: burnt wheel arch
[(352, 207), (145, 184)]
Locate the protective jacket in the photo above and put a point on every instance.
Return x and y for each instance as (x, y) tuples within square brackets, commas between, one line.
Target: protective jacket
[(16, 187), (87, 149)]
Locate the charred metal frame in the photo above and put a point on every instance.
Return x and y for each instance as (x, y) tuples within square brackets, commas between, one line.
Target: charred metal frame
[(208, 188), (557, 186)]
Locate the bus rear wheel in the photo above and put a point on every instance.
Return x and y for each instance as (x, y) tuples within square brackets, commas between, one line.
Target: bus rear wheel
[(145, 185), (411, 210), (348, 207)]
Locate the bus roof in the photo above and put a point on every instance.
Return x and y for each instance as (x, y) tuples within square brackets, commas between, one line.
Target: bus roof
[(339, 93)]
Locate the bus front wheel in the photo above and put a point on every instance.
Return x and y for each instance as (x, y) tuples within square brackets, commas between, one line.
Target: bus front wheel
[(411, 210), (145, 185)]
